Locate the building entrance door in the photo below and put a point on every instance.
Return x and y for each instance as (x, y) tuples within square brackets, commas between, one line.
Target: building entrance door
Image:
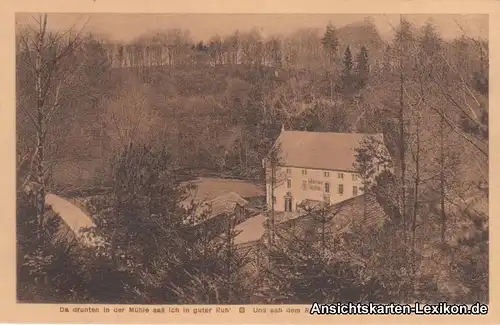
[(288, 204)]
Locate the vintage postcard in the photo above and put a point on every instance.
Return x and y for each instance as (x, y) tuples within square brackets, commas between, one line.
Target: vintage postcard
[(253, 162)]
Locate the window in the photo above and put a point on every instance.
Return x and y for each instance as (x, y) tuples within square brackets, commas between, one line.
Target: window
[(288, 204), (354, 191), (354, 177), (341, 189), (304, 185), (340, 175), (288, 171), (289, 183), (304, 172), (327, 174), (326, 198), (327, 187)]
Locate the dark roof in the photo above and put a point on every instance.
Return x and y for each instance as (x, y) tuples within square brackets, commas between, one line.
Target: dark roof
[(311, 204), (220, 205), (320, 150), (347, 213), (225, 203)]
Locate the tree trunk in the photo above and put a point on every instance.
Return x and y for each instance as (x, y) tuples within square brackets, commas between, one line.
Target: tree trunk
[(415, 205), (229, 259), (323, 226), (364, 205), (402, 148), (40, 120), (273, 166), (442, 180)]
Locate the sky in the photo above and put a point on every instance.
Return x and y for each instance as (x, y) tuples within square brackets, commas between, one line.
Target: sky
[(125, 27)]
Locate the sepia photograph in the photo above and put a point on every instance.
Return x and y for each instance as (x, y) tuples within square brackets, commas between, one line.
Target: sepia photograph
[(251, 159)]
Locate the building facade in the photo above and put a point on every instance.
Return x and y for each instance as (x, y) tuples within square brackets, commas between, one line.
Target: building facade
[(317, 166), (299, 184)]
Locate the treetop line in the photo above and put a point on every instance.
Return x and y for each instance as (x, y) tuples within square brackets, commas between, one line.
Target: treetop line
[(172, 165)]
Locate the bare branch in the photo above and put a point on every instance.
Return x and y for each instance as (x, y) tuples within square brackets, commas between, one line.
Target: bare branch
[(457, 105), (64, 80), (58, 37), (75, 42), (465, 34), (458, 131), (463, 83), (32, 118), (22, 161)]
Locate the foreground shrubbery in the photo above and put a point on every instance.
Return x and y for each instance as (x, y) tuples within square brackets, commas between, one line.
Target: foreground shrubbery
[(428, 96), (154, 256)]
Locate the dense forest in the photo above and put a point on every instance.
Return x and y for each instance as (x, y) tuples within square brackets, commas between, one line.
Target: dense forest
[(132, 117)]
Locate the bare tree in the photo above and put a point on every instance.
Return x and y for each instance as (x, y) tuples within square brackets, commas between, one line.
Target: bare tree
[(275, 177), (402, 148), (129, 118), (323, 214), (49, 57), (472, 105)]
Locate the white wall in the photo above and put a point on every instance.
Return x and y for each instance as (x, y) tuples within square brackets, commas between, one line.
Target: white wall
[(315, 180)]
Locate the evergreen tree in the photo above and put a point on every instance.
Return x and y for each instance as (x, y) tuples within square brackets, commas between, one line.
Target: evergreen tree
[(141, 220), (347, 78), (429, 40), (362, 67), (54, 267), (404, 46), (150, 217), (307, 257), (348, 61), (330, 42), (386, 62), (37, 254)]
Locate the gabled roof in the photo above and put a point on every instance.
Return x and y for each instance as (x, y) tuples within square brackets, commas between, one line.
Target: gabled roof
[(220, 205), (251, 230), (72, 215), (75, 219), (320, 150), (225, 203), (348, 212)]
